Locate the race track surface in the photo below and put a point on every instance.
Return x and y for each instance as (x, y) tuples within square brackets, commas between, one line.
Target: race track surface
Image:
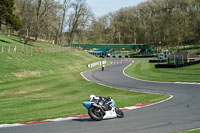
[(179, 113)]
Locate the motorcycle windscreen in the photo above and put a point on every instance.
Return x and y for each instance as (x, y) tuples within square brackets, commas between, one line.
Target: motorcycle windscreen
[(112, 102)]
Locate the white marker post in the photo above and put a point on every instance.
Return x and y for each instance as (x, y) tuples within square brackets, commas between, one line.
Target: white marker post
[(2, 49), (15, 49)]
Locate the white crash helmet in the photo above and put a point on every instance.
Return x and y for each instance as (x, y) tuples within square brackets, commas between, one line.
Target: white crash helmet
[(92, 97)]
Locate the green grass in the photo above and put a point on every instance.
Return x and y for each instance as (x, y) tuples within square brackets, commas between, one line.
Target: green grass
[(143, 70), (193, 131), (49, 85)]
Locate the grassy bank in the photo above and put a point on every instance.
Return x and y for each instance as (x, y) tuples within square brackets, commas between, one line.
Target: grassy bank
[(143, 70), (49, 85)]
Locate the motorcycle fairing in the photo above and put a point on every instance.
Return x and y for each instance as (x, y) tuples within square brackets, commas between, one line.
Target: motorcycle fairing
[(88, 104), (110, 114)]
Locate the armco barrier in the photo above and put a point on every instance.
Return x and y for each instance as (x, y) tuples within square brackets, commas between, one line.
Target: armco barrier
[(96, 64), (176, 65)]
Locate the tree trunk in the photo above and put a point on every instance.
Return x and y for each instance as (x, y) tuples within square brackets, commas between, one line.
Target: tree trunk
[(56, 38), (37, 20), (71, 38), (66, 3)]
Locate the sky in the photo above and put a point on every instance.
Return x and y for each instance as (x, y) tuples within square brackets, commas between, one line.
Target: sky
[(103, 7)]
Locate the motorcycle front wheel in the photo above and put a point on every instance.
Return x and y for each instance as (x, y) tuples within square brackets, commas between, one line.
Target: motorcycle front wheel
[(120, 114), (95, 113)]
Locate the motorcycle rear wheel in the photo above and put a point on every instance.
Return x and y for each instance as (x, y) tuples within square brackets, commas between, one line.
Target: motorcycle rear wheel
[(95, 113)]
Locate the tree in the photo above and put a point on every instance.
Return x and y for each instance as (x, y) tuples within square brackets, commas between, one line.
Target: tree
[(40, 19), (78, 19), (7, 17), (42, 8), (65, 7)]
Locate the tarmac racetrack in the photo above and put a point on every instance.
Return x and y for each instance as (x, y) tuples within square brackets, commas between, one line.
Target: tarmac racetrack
[(179, 113)]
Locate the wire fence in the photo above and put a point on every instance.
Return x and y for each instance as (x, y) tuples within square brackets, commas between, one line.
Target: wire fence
[(177, 60), (24, 49)]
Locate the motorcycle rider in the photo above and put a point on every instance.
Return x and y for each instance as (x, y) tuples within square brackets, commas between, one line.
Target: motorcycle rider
[(101, 101), (93, 98), (103, 67)]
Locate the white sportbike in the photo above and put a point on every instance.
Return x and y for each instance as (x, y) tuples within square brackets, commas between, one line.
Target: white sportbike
[(103, 108)]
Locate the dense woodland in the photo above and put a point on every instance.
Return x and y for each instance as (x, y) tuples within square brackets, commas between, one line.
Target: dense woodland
[(158, 22), (171, 22)]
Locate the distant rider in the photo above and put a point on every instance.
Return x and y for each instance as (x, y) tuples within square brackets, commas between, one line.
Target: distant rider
[(103, 67)]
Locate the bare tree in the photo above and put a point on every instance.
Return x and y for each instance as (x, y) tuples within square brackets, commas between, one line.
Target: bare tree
[(41, 10), (59, 35), (78, 19), (40, 18)]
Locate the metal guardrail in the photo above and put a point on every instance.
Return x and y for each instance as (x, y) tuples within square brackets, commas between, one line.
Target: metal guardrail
[(99, 63)]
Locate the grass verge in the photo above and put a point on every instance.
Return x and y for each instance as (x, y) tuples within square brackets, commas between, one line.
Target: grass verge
[(49, 85), (193, 131), (141, 69)]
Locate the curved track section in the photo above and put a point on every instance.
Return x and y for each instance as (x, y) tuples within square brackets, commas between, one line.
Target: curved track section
[(179, 113)]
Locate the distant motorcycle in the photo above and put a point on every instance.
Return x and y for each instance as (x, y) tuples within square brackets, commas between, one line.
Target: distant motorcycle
[(103, 67), (102, 108)]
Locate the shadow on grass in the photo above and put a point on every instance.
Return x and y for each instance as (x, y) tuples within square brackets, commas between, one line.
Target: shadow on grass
[(15, 40), (4, 41), (21, 42)]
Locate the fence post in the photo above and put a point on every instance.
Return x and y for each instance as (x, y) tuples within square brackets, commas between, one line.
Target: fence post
[(15, 49), (2, 49), (174, 60)]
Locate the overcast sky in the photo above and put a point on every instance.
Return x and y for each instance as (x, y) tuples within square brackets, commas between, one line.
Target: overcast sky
[(103, 7)]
